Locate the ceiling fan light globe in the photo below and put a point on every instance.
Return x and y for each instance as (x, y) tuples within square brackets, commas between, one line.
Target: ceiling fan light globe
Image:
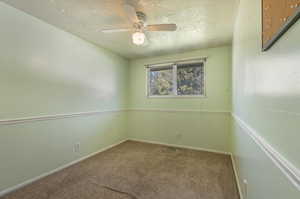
[(138, 38)]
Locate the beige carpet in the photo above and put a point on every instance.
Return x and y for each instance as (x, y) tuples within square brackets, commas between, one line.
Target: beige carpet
[(136, 170)]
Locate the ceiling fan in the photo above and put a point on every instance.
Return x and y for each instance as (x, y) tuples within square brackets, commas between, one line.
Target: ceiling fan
[(139, 26)]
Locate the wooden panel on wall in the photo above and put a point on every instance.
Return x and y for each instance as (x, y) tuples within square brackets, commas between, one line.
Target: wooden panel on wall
[(291, 6), (277, 17), (266, 20)]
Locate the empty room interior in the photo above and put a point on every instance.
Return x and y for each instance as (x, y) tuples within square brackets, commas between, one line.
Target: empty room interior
[(149, 99)]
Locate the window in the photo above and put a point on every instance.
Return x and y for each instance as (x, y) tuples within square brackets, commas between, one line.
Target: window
[(178, 79)]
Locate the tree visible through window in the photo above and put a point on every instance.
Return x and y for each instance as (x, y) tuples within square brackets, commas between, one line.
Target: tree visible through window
[(161, 81), (176, 79)]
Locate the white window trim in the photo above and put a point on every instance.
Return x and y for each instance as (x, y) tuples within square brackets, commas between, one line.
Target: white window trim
[(174, 65)]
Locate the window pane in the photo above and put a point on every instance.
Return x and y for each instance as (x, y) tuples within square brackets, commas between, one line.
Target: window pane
[(190, 79), (161, 82)]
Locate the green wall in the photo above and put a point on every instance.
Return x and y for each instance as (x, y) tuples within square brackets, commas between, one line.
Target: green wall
[(195, 122), (266, 96), (46, 71)]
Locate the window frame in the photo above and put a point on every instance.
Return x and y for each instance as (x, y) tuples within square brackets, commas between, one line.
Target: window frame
[(174, 64)]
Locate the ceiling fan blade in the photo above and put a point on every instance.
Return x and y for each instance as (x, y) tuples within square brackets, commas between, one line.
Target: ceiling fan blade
[(162, 27), (131, 13), (116, 30)]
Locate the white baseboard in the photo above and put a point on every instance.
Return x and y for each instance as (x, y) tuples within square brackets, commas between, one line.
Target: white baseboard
[(180, 146), (29, 181), (237, 178)]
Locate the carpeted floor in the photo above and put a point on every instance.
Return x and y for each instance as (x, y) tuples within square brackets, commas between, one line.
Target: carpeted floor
[(135, 170)]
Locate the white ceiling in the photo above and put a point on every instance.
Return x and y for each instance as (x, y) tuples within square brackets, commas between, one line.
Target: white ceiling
[(201, 23)]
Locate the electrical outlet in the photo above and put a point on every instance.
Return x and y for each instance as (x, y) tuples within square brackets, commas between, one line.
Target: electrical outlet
[(245, 183), (76, 147)]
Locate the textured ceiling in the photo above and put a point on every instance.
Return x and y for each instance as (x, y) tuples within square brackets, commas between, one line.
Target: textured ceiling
[(201, 23)]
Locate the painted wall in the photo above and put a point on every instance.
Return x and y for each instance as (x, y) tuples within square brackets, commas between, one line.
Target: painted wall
[(208, 127), (266, 96), (46, 71), (264, 178)]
